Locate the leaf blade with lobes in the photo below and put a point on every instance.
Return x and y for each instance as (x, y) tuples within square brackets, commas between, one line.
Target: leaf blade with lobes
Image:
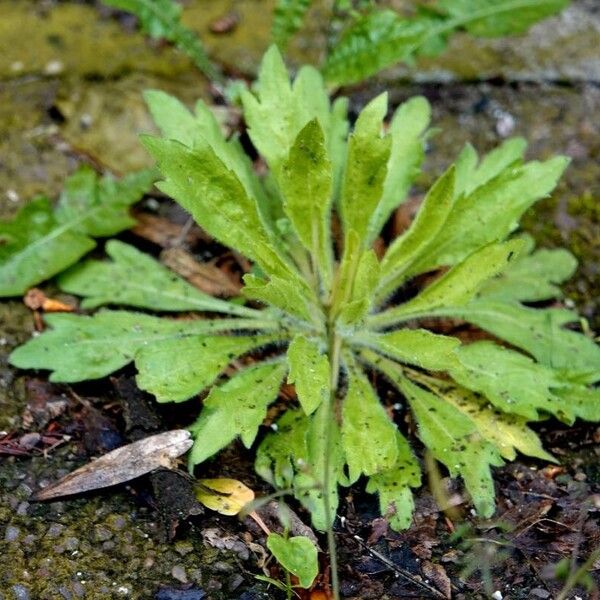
[(41, 242)]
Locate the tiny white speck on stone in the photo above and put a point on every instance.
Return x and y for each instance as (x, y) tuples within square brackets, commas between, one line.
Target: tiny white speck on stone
[(17, 66), (79, 574), (12, 195), (123, 590), (397, 406), (497, 595), (274, 427)]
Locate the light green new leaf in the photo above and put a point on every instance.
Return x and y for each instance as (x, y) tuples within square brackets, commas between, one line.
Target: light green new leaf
[(214, 196), (393, 486), (508, 432), (175, 370), (368, 435), (34, 247), (162, 19), (288, 17), (306, 183), (496, 18), (539, 332), (292, 298), (298, 555), (511, 381), (366, 168), (422, 233), (79, 348), (284, 452), (458, 285), (236, 408), (582, 401), (40, 243), (532, 277), (470, 176), (490, 213), (455, 441), (408, 132), (310, 372), (136, 279), (338, 145), (412, 346), (367, 277), (278, 111)]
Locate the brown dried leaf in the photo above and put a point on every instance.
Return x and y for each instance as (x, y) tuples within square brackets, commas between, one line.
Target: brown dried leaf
[(35, 299), (122, 464), (437, 575), (205, 276), (165, 233)]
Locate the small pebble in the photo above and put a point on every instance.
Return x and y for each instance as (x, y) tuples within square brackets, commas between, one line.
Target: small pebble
[(11, 533), (20, 592), (178, 572), (539, 593), (497, 595)]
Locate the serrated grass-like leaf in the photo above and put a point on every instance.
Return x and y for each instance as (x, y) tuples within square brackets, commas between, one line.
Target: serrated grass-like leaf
[(310, 372), (78, 348), (162, 19), (136, 279), (175, 370), (236, 408), (368, 435), (288, 17), (396, 501)]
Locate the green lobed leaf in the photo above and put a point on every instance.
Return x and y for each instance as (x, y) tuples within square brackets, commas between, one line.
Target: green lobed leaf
[(471, 175), (298, 555), (508, 432), (78, 348), (368, 435), (284, 452), (162, 19), (288, 17), (236, 408), (490, 213), (417, 347), (456, 287), (422, 234), (175, 370), (316, 485), (532, 277), (540, 332), (396, 501), (136, 279), (278, 111), (204, 186), (306, 183), (40, 242), (511, 381), (455, 441), (408, 131), (366, 169), (310, 372)]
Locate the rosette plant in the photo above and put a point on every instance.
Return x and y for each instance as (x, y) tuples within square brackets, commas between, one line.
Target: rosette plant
[(322, 310)]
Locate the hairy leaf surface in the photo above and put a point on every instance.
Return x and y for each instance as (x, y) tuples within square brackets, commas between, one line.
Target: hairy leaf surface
[(236, 408)]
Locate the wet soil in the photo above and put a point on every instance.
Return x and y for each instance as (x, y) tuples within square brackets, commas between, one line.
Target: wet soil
[(71, 78)]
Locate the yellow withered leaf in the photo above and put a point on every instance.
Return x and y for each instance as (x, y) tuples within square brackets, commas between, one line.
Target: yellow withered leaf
[(225, 496)]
